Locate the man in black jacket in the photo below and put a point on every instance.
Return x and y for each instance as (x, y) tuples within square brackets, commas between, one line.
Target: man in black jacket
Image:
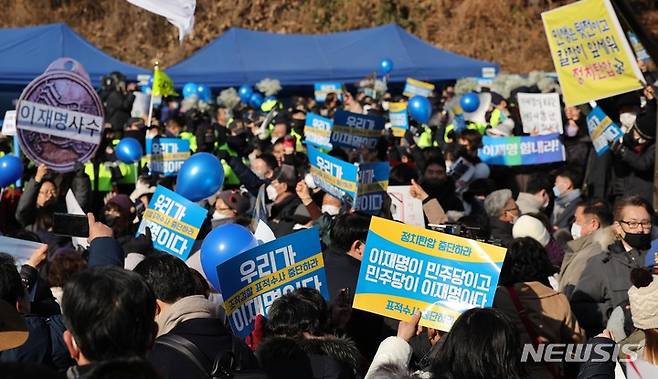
[(186, 314), (604, 283)]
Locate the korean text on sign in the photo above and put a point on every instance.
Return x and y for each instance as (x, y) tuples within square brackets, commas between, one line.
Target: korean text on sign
[(332, 175), (540, 113), (251, 281), (407, 269), (602, 130), (324, 88), (174, 222), (59, 122), (515, 151), (353, 130), (415, 87), (590, 52), (371, 187), (317, 130), (397, 113), (167, 155)]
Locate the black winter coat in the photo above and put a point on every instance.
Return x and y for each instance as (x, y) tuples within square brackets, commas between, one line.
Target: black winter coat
[(210, 336), (117, 109), (44, 345), (327, 357), (632, 172), (603, 285)]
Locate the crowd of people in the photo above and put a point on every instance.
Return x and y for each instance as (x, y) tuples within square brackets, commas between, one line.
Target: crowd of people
[(578, 237)]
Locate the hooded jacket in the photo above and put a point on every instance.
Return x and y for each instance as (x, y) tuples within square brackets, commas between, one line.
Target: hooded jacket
[(528, 203), (577, 254), (604, 284), (325, 357)]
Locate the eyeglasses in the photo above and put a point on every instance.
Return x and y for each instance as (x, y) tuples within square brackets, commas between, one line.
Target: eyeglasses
[(515, 209), (48, 192), (636, 224)]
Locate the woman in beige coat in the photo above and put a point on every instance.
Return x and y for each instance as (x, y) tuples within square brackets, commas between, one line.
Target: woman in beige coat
[(541, 314)]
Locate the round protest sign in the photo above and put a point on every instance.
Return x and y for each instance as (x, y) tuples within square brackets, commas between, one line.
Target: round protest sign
[(59, 117)]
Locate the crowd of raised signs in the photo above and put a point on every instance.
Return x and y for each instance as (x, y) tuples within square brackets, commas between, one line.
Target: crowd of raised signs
[(567, 190)]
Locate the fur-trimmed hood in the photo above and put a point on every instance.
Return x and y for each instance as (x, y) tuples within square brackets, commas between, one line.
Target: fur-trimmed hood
[(341, 349)]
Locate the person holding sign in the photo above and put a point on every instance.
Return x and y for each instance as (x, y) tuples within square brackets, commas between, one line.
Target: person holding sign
[(634, 156)]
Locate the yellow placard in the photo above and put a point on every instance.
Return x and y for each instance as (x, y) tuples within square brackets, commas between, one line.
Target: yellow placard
[(591, 55)]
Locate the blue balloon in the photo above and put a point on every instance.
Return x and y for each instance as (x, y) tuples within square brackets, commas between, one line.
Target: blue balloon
[(470, 102), (145, 89), (420, 109), (11, 169), (245, 92), (190, 89), (256, 100), (200, 177), (386, 66), (203, 92), (129, 150), (221, 244)]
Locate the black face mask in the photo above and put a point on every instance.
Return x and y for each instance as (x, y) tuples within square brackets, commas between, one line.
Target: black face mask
[(111, 220), (639, 241)]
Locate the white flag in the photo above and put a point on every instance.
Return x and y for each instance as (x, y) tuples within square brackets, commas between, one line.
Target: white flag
[(178, 12)]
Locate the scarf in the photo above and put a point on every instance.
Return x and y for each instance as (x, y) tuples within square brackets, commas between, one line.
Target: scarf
[(187, 308)]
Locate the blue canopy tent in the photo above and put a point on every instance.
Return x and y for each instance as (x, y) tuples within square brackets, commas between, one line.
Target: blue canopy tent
[(245, 56), (27, 52)]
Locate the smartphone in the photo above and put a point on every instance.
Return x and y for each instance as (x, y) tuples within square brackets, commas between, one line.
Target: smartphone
[(70, 225)]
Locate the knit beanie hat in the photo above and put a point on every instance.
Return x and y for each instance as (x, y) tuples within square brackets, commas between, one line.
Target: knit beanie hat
[(644, 305), (528, 226)]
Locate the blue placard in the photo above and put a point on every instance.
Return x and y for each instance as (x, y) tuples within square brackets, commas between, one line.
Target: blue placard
[(407, 268), (353, 130), (322, 89), (251, 281), (362, 186), (332, 175), (373, 184), (516, 151), (174, 222), (166, 155), (317, 130), (602, 130)]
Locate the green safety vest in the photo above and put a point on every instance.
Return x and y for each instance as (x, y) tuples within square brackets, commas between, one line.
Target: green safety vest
[(230, 177), (425, 139), (298, 146), (191, 138), (495, 117)]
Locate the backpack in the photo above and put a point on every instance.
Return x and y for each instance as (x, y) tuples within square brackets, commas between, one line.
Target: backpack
[(227, 363)]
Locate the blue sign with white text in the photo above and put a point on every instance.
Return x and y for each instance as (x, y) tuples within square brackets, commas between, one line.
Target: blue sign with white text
[(373, 184), (317, 130), (324, 88), (166, 155), (334, 176), (174, 222), (251, 281), (355, 131)]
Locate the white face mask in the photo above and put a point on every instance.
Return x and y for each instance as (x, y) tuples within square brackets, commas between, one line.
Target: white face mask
[(331, 210), (576, 231), (271, 192), (217, 215), (310, 183), (627, 119)]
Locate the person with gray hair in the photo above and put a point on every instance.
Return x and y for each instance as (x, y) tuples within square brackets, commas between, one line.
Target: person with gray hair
[(503, 213)]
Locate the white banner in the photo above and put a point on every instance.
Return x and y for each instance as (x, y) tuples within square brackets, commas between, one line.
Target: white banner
[(540, 113), (59, 122)]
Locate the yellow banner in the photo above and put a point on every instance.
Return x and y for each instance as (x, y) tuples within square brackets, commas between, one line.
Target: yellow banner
[(590, 53), (275, 279), (170, 223)]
